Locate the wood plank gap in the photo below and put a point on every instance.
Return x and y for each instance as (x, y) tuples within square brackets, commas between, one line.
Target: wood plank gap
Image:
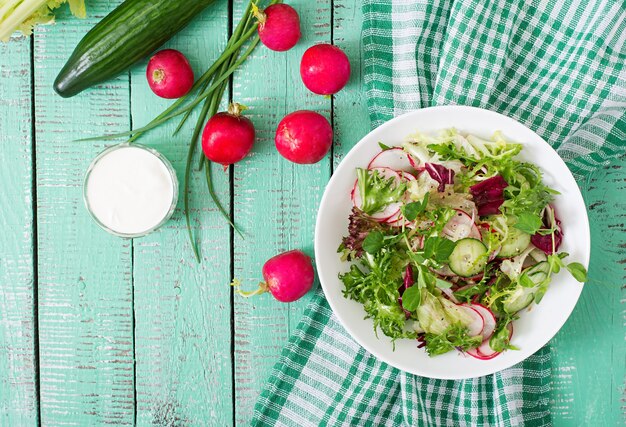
[(33, 189), (231, 179), (132, 269), (231, 235)]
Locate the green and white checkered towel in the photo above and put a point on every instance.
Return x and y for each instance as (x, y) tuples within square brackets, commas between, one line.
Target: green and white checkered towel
[(557, 66)]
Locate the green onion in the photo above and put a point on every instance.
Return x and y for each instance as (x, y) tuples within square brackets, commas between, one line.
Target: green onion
[(210, 88)]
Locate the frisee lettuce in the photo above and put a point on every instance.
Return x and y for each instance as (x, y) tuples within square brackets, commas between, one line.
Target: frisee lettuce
[(24, 15), (376, 191), (455, 336)]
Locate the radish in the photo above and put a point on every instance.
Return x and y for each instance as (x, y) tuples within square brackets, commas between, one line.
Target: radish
[(304, 137), (489, 320), (325, 69), (228, 136), (461, 226), (169, 74), (397, 220), (394, 158), (477, 324), (279, 26), (484, 351), (408, 176), (444, 271), (288, 277)]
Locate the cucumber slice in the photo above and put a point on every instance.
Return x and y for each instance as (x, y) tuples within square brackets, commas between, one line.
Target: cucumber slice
[(514, 244), (521, 297), (468, 258), (538, 272)]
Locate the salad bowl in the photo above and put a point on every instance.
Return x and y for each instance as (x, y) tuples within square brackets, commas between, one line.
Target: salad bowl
[(536, 325)]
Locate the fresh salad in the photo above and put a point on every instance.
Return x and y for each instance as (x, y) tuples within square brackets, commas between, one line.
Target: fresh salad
[(449, 238)]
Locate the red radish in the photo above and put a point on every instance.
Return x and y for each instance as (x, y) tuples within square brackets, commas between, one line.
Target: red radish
[(288, 277), (325, 69), (416, 164), (488, 318), (397, 220), (279, 26), (477, 324), (484, 351), (394, 158), (228, 136), (304, 137), (444, 271), (169, 74), (408, 176), (461, 226)]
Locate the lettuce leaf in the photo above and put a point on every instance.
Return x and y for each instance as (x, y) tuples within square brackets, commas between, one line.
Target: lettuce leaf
[(377, 191), (455, 336), (375, 283), (24, 15)]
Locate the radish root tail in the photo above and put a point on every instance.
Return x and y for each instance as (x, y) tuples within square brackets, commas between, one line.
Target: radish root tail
[(263, 287)]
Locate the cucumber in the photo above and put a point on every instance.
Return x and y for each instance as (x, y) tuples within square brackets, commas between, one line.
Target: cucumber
[(129, 33), (521, 297), (538, 272), (514, 244), (468, 258), (518, 300)]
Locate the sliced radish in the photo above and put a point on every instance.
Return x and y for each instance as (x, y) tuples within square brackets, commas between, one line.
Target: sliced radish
[(444, 271), (408, 176), (399, 221), (394, 158), (416, 164), (474, 353), (355, 195), (386, 213), (461, 226), (484, 351), (397, 218), (488, 317), (391, 209), (476, 326), (449, 293)]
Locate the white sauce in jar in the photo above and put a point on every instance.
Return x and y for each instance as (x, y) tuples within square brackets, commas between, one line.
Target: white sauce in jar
[(130, 190)]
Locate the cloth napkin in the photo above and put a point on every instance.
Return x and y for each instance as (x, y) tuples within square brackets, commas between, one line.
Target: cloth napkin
[(558, 67)]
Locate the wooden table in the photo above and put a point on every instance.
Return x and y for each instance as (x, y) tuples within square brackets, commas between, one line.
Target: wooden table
[(98, 330)]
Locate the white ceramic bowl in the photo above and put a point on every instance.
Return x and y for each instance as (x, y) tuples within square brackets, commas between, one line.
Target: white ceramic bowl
[(536, 326)]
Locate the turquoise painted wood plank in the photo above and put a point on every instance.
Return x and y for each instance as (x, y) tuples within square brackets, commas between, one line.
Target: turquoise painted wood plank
[(589, 352), (18, 390), (275, 201), (351, 119), (85, 274), (182, 309)]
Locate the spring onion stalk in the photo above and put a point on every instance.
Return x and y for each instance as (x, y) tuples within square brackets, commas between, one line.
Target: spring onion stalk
[(209, 89)]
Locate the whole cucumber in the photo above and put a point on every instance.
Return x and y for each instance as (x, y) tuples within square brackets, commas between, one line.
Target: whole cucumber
[(129, 33)]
